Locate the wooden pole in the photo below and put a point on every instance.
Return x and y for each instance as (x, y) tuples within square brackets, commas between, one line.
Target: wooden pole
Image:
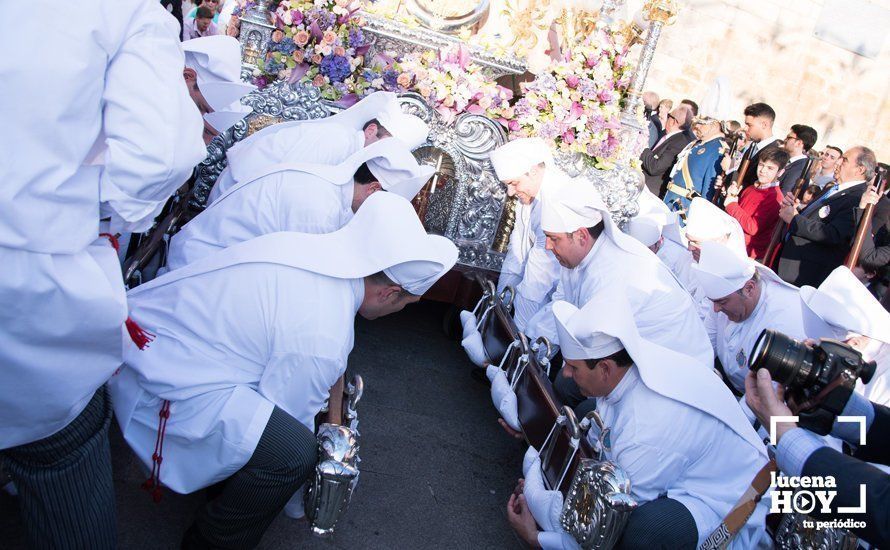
[(864, 224)]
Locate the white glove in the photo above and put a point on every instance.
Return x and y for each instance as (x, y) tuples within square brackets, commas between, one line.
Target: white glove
[(468, 321), (472, 344), (531, 455), (504, 399), (294, 508), (545, 506)]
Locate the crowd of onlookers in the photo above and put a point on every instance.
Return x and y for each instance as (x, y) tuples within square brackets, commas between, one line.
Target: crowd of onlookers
[(204, 17), (798, 207)]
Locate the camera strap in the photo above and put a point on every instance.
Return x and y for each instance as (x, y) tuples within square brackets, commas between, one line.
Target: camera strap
[(739, 514)]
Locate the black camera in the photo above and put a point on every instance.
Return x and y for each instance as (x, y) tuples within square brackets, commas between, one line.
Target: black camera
[(818, 380)]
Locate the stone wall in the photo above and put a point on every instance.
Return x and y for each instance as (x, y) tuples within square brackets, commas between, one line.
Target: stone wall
[(768, 51)]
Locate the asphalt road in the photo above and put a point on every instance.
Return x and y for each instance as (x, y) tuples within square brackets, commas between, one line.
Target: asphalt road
[(436, 468)]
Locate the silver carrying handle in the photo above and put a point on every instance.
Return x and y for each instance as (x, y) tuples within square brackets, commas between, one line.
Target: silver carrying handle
[(354, 390), (589, 419), (568, 419), (545, 361), (507, 290)]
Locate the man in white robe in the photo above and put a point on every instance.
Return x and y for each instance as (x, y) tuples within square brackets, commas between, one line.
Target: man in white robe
[(322, 141), (526, 168), (746, 299), (103, 76), (598, 258), (249, 342), (854, 316), (674, 428), (301, 197)]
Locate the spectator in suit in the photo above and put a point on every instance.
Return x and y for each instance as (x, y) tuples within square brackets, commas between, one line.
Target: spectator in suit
[(658, 160), (664, 107), (802, 453), (693, 106), (759, 119), (828, 161), (819, 236), (798, 143), (650, 103), (874, 259)]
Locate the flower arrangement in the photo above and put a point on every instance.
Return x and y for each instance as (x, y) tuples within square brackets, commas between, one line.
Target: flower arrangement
[(576, 103), (453, 84), (319, 42)]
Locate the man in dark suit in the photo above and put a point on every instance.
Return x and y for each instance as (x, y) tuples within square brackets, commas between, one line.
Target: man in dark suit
[(819, 236), (798, 143), (650, 103), (658, 160), (759, 119)]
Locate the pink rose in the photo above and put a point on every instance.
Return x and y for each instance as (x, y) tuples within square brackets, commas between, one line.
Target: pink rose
[(318, 81), (277, 36), (329, 37), (475, 110), (568, 136), (298, 56), (316, 58), (404, 80), (513, 125), (338, 50), (577, 109), (572, 81), (301, 38)]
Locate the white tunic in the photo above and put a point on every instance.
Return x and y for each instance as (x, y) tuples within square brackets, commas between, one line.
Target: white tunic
[(297, 141), (230, 345), (678, 450), (679, 260), (98, 79), (283, 201), (528, 266), (779, 308), (663, 310)]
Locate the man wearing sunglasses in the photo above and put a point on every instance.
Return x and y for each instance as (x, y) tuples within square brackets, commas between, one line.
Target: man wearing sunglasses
[(658, 160)]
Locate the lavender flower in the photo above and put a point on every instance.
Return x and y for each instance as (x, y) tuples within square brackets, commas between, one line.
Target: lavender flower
[(390, 78), (356, 37)]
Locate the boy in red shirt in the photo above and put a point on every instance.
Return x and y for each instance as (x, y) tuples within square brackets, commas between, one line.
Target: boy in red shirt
[(757, 207)]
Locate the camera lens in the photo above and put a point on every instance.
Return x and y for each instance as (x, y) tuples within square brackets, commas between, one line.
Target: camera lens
[(788, 361)]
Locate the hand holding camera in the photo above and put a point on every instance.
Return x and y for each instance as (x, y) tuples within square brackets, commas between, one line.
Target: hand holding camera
[(815, 380)]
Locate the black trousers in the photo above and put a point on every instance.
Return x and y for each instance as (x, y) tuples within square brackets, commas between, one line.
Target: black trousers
[(660, 523), (64, 482), (282, 461)]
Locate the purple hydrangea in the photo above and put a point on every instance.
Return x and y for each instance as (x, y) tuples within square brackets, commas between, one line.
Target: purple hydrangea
[(356, 38), (286, 46), (390, 78), (335, 67), (274, 66)]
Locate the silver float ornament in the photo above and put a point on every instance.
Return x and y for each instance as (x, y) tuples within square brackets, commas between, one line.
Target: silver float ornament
[(598, 503)]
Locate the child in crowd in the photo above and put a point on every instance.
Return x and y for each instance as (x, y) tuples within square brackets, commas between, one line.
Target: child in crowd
[(808, 195), (757, 207)]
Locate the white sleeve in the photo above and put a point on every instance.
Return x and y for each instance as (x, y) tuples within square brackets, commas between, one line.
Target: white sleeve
[(524, 310), (152, 127), (511, 269), (300, 383), (551, 540), (541, 271)]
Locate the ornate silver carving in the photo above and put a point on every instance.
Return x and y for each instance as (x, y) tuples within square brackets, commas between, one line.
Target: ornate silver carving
[(255, 34), (433, 14), (392, 36), (619, 187)]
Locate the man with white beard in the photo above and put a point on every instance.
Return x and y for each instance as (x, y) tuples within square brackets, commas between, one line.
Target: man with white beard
[(746, 298)]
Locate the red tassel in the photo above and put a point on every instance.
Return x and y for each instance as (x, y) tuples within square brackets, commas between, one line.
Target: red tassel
[(113, 240), (140, 336), (153, 483)]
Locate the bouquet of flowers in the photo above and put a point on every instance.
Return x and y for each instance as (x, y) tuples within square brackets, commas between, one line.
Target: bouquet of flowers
[(319, 42), (452, 84), (576, 103)]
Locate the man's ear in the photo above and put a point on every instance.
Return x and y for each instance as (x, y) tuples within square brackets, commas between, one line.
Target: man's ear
[(390, 293), (371, 130), (607, 368)]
